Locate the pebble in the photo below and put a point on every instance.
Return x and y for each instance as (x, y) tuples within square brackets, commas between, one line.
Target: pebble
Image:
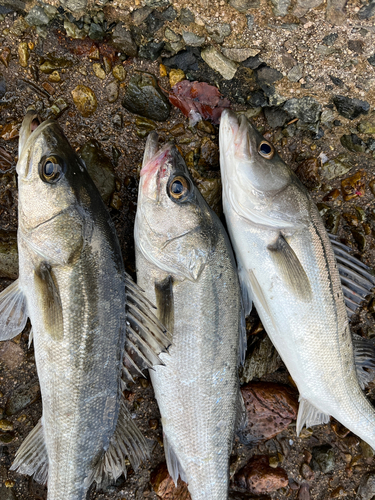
[(338, 492), (53, 63), (187, 60), (163, 70), (98, 71), (335, 11), (107, 63), (96, 32), (367, 11), (371, 60), (330, 39), (6, 425), (306, 472), (306, 109), (6, 493), (186, 17), (205, 126), (350, 108), (112, 91), (54, 77), (259, 478), (23, 54), (37, 17), (144, 97), (356, 46), (295, 74), (123, 41), (239, 55), (270, 408), (164, 487), (366, 490), (171, 35), (5, 56), (175, 76), (268, 75), (151, 51), (275, 117), (11, 354), (250, 21), (169, 14), (353, 186), (280, 7), (117, 120), (21, 398), (219, 31), (192, 39), (139, 15), (217, 61), (353, 143), (73, 31), (323, 458), (337, 167), (154, 22), (9, 131), (100, 168), (367, 126), (304, 492), (244, 5), (308, 173), (144, 126), (84, 100), (262, 359), (119, 73)]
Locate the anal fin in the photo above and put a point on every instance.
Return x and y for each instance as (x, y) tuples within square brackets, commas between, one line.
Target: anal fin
[(13, 311), (364, 357), (173, 464), (309, 415), (32, 458)]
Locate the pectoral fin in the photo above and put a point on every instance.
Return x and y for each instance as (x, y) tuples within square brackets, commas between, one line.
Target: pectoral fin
[(309, 415), (13, 311), (290, 268), (49, 302)]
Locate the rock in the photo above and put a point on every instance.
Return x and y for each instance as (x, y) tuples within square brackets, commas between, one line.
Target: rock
[(307, 472), (22, 397), (175, 76), (252, 62), (306, 109), (144, 126), (8, 255), (275, 117), (6, 425), (164, 486), (6, 493), (177, 130), (350, 108), (336, 81), (73, 31), (76, 5), (366, 490), (156, 3), (353, 186), (192, 39), (209, 155), (250, 21), (323, 458), (186, 17), (268, 75), (367, 126), (171, 35), (96, 32), (123, 41), (304, 492), (144, 97), (367, 11), (239, 55), (241, 86), (353, 143), (154, 22), (330, 39), (98, 71), (217, 61), (206, 127), (295, 74), (280, 7), (244, 5), (337, 167), (54, 77), (262, 358), (119, 73), (37, 17), (151, 50), (84, 100), (259, 478), (210, 189), (5, 56), (356, 45), (100, 168), (140, 15), (219, 31), (335, 11), (270, 409), (11, 354), (371, 60), (52, 63), (303, 6), (23, 54), (111, 91), (308, 173), (332, 221), (169, 14), (117, 120)]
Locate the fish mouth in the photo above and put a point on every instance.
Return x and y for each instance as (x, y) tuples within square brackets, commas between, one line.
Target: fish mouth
[(32, 126), (156, 166)]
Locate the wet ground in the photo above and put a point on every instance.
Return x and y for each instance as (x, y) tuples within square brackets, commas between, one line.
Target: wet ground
[(348, 210)]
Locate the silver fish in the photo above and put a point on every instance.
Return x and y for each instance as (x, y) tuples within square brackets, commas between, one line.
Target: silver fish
[(185, 264), (87, 317), (288, 269)]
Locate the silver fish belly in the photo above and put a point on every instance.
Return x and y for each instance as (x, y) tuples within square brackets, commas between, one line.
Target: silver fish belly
[(73, 287), (288, 269), (185, 264)]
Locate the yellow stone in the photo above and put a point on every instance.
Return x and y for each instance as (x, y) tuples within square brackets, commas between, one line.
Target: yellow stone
[(23, 54), (119, 73), (6, 425), (175, 76), (163, 70), (54, 77), (99, 71), (31, 45)]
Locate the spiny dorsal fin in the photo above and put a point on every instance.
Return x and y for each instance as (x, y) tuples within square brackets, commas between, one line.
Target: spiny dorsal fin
[(32, 458), (13, 311), (309, 415), (290, 268), (49, 301)]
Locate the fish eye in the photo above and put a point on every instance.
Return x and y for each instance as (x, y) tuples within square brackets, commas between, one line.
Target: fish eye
[(266, 150), (179, 188), (51, 169)]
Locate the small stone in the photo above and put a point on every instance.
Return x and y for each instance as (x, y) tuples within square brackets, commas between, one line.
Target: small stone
[(350, 108), (338, 492), (209, 155), (304, 492), (169, 14), (353, 143), (98, 71), (275, 117), (117, 120), (116, 201), (85, 100), (73, 31), (37, 17), (367, 450), (205, 126), (144, 126), (331, 196), (307, 472), (308, 173), (177, 130), (353, 186), (337, 167), (5, 56), (366, 490), (48, 87), (100, 168), (356, 46), (21, 398), (239, 55), (323, 458), (217, 61), (219, 31), (6, 493), (175, 76), (306, 109), (53, 63), (330, 39), (144, 97), (210, 189), (10, 131), (139, 15), (280, 7), (368, 125), (335, 11), (96, 32), (268, 75), (154, 21), (119, 73), (162, 70), (54, 77), (303, 6), (112, 91), (11, 355), (151, 51), (192, 39), (244, 5), (171, 35), (153, 423), (371, 60), (295, 74), (164, 486), (367, 11), (6, 425), (123, 41), (259, 478), (250, 21), (186, 17), (107, 63), (332, 221), (359, 238), (23, 54)]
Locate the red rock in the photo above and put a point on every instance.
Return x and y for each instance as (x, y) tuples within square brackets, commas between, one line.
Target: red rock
[(270, 409), (164, 486), (259, 478)]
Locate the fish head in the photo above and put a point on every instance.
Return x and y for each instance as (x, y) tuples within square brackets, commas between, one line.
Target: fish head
[(51, 190), (254, 176), (174, 225)]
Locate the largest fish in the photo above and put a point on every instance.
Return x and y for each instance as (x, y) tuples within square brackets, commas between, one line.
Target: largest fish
[(185, 264), (288, 269), (86, 315)]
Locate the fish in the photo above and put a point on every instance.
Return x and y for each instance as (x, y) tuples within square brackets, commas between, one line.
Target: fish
[(288, 270), (92, 327), (185, 264)]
